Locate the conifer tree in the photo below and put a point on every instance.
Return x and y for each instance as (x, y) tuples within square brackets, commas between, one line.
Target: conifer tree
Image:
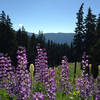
[(22, 38), (90, 25), (78, 38), (8, 22), (96, 49), (3, 18), (41, 39), (2, 29), (7, 35), (33, 43)]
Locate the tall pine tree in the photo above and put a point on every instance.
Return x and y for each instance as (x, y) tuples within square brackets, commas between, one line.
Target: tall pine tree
[(2, 31), (32, 50), (7, 35), (96, 49), (41, 39), (78, 38), (90, 25), (22, 38)]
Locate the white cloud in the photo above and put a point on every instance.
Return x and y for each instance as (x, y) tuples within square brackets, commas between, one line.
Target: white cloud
[(20, 25)]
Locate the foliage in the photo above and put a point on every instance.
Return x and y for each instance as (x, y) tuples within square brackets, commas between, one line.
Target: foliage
[(4, 95), (39, 87), (79, 33), (90, 25)]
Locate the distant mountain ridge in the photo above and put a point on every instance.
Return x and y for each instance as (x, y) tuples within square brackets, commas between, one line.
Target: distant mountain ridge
[(60, 38)]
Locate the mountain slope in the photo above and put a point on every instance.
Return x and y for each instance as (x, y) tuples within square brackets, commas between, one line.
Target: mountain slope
[(58, 37)]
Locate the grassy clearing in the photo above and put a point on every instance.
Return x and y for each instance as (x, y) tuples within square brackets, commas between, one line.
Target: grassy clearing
[(71, 73), (74, 95)]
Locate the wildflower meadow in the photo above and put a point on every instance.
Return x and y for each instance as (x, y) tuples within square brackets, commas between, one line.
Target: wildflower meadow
[(41, 82)]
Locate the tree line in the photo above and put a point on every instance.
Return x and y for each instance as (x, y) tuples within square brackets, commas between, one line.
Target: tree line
[(87, 38), (11, 39)]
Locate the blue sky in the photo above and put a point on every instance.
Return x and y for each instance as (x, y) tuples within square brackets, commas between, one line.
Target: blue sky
[(46, 15)]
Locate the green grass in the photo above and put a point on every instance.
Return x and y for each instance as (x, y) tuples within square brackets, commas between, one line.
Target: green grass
[(71, 96), (71, 73), (61, 96)]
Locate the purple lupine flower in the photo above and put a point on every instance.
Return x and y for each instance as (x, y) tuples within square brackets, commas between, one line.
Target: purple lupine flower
[(11, 79), (8, 81), (65, 73), (22, 74), (45, 75), (40, 64), (85, 63), (48, 77), (2, 71), (85, 84), (98, 89), (52, 85), (43, 65), (38, 96), (4, 68), (37, 63)]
